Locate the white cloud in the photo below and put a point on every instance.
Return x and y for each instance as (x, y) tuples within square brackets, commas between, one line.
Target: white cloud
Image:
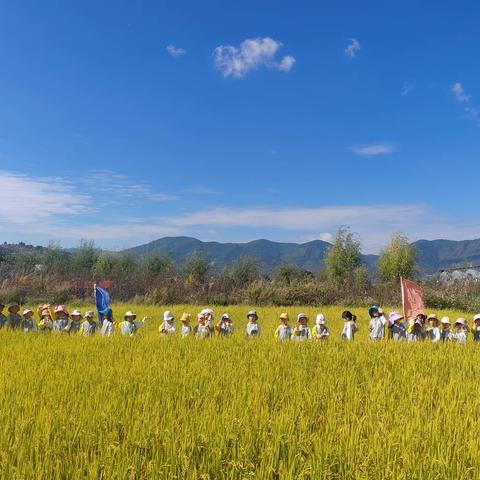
[(202, 191), (252, 54), (327, 237), (459, 93), (119, 186), (374, 149), (287, 63), (28, 200), (471, 113), (352, 48), (176, 52)]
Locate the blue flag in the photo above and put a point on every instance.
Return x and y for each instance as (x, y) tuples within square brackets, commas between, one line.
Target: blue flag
[(102, 300)]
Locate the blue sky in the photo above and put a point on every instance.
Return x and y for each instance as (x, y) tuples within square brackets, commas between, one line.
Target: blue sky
[(127, 121)]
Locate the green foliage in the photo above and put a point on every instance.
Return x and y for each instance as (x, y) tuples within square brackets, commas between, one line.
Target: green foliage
[(397, 259), (343, 258), (245, 271), (196, 268)]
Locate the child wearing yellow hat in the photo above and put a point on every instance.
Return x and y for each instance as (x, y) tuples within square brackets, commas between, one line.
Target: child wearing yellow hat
[(284, 331), (186, 327)]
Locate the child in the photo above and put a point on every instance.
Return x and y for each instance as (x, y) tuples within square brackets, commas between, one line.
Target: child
[(129, 327), (46, 318), (461, 329), (476, 328), (89, 326), (108, 323), (75, 322), (302, 331), (433, 332), (349, 326), (415, 333), (186, 328), (14, 319), (284, 331), (320, 330), (3, 318), (446, 333), (209, 315), (398, 330), (377, 323), (225, 327), (201, 330), (253, 328), (61, 318), (29, 324), (168, 325)]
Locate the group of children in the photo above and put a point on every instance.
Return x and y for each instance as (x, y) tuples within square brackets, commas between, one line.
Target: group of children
[(381, 327), (58, 319), (420, 328)]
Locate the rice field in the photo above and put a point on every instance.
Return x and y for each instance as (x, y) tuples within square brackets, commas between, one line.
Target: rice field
[(232, 408)]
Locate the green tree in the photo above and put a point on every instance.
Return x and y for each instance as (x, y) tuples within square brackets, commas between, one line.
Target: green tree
[(84, 258), (196, 268), (398, 259), (245, 271), (343, 258)]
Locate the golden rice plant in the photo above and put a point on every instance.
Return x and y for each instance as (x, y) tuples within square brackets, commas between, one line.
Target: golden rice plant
[(233, 408)]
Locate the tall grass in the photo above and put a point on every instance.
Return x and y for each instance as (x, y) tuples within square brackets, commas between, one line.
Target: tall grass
[(232, 408)]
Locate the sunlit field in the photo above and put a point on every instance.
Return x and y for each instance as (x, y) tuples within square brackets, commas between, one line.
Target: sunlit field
[(157, 407)]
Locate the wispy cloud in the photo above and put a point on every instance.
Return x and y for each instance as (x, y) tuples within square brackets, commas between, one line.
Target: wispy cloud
[(252, 54), (176, 52), (121, 186), (459, 93), (374, 149), (202, 191), (29, 200), (352, 48)]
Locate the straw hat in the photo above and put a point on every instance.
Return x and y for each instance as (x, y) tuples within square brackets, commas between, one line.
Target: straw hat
[(76, 313), (284, 316), (185, 317), (445, 321), (130, 314), (89, 314)]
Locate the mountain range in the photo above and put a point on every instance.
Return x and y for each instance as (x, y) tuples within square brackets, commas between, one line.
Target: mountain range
[(432, 255)]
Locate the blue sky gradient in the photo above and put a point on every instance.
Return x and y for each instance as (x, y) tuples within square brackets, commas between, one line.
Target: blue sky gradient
[(107, 134)]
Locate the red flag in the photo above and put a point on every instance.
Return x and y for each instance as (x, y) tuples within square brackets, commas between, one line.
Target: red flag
[(412, 299)]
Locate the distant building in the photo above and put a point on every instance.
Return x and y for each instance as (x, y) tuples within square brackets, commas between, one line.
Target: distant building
[(460, 274)]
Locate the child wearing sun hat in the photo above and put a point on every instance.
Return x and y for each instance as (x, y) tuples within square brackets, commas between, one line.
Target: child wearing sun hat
[(398, 330), (89, 326), (320, 331), (461, 329), (129, 327), (61, 318), (14, 318), (186, 327), (225, 326), (168, 325), (433, 331), (415, 332), (108, 323), (476, 328), (28, 323), (46, 315), (445, 332), (75, 322), (202, 330), (284, 331), (302, 331), (253, 328)]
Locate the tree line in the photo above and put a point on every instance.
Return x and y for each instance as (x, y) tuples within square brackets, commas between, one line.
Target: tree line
[(55, 273)]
